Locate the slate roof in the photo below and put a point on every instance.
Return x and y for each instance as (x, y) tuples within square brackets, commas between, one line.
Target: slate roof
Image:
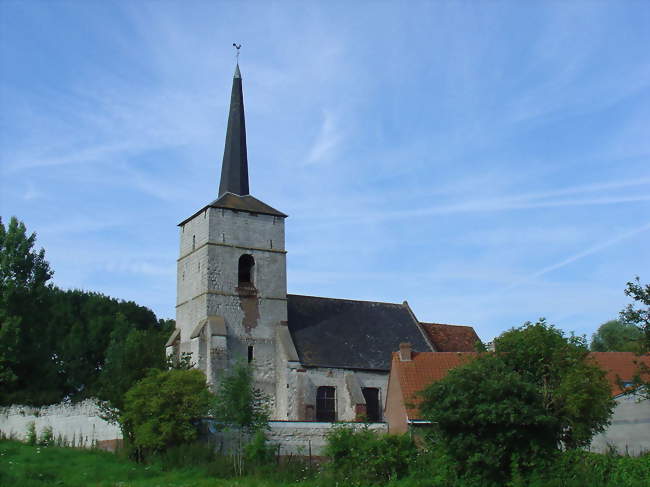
[(240, 203), (451, 338), (424, 368), (342, 333), (234, 169)]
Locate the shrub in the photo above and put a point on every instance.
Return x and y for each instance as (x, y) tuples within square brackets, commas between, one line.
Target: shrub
[(31, 433), (160, 410), (364, 456), (47, 437)]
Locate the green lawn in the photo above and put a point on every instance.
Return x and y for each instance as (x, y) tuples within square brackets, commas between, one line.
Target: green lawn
[(26, 466)]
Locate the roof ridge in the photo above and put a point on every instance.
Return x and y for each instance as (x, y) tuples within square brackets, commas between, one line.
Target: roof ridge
[(344, 299), (444, 324)]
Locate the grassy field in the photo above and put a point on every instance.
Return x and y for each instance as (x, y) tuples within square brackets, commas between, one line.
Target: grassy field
[(33, 466), (26, 466)]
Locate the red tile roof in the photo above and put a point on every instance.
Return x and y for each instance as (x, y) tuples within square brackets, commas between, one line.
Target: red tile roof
[(427, 367), (451, 338), (620, 365)]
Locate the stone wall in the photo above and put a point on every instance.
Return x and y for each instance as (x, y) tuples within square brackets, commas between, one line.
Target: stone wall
[(291, 438), (301, 437), (629, 431), (79, 423)]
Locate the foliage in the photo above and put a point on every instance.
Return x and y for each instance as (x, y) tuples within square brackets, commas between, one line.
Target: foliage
[(516, 407), (31, 437), (258, 452), (487, 416), (616, 336), (636, 314), (54, 343), (129, 356), (238, 402), (30, 466), (362, 456), (47, 437), (160, 410), (572, 388), (24, 333)]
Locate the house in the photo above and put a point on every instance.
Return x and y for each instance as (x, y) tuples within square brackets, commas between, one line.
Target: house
[(316, 358), (411, 372), (629, 431)]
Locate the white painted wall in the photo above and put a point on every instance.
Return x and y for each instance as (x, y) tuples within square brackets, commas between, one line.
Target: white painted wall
[(80, 421), (630, 428)]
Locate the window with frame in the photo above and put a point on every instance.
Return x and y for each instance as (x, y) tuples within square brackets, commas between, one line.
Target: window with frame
[(326, 404)]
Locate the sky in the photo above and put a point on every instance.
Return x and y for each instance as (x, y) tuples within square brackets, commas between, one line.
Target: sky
[(487, 161)]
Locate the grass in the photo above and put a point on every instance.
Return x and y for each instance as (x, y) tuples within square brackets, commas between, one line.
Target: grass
[(22, 465)]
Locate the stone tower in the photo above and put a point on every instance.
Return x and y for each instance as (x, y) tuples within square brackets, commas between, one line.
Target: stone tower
[(231, 274)]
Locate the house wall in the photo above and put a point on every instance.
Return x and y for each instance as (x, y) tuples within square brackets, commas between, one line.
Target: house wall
[(395, 413), (629, 431)]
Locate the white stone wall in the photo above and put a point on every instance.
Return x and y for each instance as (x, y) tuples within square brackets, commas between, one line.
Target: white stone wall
[(629, 431), (80, 422), (207, 285), (303, 383), (296, 437)]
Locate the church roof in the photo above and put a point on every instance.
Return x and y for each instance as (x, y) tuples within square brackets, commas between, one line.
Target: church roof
[(239, 203), (451, 338), (234, 169), (342, 333)]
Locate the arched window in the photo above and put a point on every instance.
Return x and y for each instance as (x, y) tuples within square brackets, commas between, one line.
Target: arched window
[(326, 403), (246, 263)]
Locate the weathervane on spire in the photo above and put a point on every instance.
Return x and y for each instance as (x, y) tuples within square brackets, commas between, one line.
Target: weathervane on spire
[(238, 47)]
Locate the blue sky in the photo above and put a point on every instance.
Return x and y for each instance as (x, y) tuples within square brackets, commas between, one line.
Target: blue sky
[(487, 161)]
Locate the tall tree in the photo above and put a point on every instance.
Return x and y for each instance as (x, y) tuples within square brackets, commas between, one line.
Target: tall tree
[(617, 336), (26, 361)]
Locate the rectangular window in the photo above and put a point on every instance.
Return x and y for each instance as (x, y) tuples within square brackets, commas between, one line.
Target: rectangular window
[(250, 353), (373, 404), (326, 404)]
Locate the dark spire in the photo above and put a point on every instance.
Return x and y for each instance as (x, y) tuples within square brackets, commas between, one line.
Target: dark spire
[(234, 169)]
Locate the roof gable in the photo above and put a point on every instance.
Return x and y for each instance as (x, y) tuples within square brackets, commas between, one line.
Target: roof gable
[(350, 334)]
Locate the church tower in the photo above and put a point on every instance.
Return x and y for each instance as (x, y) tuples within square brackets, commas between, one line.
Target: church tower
[(231, 272)]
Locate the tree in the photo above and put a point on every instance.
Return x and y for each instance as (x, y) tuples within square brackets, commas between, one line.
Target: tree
[(130, 355), (537, 393), (239, 403), (635, 314), (26, 367), (161, 410), (617, 336)]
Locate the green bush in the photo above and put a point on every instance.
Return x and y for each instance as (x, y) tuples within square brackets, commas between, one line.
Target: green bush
[(160, 410), (31, 437), (47, 437), (257, 452), (360, 457)]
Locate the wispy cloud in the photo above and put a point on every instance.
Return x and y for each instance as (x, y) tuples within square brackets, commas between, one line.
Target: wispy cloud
[(327, 141), (594, 249)]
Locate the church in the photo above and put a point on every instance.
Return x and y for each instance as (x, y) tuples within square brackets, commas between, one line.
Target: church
[(316, 358)]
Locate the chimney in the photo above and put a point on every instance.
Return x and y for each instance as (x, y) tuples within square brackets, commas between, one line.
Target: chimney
[(405, 352)]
